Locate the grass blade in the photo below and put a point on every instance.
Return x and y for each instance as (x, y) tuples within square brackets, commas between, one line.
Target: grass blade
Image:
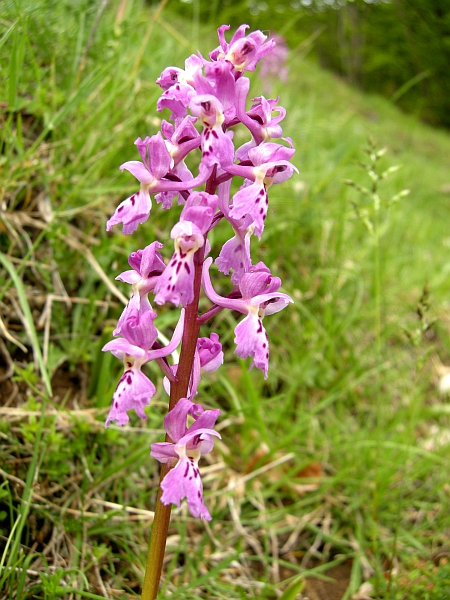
[(29, 321)]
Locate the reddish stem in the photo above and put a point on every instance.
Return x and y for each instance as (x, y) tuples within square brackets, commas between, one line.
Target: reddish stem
[(178, 389)]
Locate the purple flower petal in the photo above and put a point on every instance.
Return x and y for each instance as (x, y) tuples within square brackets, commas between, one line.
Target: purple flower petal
[(235, 254), (141, 303), (138, 328), (139, 170), (251, 203), (184, 481), (176, 284), (134, 391), (174, 342), (159, 156), (230, 303), (257, 282), (131, 212), (217, 147), (151, 260), (201, 433), (163, 452), (122, 347), (169, 77), (176, 99), (270, 152), (210, 353), (175, 420), (251, 340), (129, 277)]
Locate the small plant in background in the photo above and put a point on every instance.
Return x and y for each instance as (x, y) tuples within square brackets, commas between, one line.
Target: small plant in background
[(206, 99), (373, 211)]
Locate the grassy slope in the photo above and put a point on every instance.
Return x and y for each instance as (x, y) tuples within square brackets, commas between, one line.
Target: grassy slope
[(350, 398)]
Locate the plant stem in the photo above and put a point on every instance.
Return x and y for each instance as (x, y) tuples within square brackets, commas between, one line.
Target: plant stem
[(157, 545), (178, 389)]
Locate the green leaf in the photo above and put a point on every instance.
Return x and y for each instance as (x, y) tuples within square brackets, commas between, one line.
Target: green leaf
[(292, 591), (31, 330)]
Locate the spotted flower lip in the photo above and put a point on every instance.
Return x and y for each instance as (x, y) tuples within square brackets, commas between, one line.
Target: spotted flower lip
[(132, 212), (176, 284), (250, 203), (186, 448), (235, 255), (259, 298)]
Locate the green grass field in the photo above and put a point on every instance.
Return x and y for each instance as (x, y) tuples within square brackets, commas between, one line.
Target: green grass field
[(332, 477)]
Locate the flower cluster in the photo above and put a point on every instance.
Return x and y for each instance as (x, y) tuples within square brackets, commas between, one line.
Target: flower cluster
[(206, 101)]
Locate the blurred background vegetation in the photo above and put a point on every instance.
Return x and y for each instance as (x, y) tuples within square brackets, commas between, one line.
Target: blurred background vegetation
[(398, 48)]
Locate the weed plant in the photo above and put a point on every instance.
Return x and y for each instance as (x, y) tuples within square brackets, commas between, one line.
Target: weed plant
[(336, 472)]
